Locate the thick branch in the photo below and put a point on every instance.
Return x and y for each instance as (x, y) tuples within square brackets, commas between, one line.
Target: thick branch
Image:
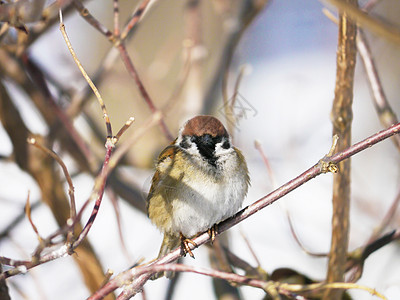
[(342, 116)]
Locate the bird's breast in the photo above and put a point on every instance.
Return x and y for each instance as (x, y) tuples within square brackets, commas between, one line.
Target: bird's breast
[(200, 202)]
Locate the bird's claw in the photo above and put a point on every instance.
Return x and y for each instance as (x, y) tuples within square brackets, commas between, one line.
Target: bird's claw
[(185, 246), (212, 232)]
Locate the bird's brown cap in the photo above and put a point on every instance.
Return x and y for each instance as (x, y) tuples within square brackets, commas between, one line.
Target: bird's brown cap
[(201, 125)]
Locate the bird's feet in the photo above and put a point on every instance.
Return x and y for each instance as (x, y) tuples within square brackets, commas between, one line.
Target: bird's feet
[(185, 245), (212, 232)]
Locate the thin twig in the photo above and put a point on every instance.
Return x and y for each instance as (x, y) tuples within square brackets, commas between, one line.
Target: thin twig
[(238, 262), (132, 71), (67, 134), (248, 12), (92, 20), (131, 140), (87, 78), (235, 117), (298, 242), (258, 146), (124, 128), (385, 112), (28, 214), (116, 18), (6, 231), (250, 247), (32, 141), (80, 98), (137, 15), (98, 191), (357, 257), (63, 249), (115, 203), (119, 44), (182, 78), (370, 5), (386, 219)]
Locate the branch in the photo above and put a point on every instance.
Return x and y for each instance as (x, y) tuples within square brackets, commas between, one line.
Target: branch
[(3, 288), (67, 134), (61, 249), (375, 25), (342, 116), (137, 15), (68, 248), (119, 44), (132, 71), (270, 287), (58, 159), (385, 112), (358, 257), (92, 20), (87, 78), (323, 166)]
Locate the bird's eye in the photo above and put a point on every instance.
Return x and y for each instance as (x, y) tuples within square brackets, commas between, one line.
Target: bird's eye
[(185, 143), (217, 139), (226, 145)]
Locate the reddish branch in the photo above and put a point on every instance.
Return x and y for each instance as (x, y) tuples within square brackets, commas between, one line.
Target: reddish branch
[(137, 15), (132, 71), (119, 44), (67, 248), (385, 112), (99, 187), (323, 166), (63, 249)]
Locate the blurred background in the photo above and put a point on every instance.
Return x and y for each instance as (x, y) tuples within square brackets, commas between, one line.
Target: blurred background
[(274, 61)]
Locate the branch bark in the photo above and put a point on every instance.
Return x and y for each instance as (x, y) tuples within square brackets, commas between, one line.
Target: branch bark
[(342, 116)]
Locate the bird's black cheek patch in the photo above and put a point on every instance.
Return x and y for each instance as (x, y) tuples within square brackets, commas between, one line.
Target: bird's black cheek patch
[(226, 145), (185, 144)]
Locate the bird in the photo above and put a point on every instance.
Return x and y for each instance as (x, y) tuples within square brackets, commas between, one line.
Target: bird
[(200, 180)]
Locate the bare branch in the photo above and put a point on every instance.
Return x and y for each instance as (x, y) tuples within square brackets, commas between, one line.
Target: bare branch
[(385, 112), (342, 116), (92, 20), (116, 18), (87, 78), (270, 287), (375, 25), (66, 248), (34, 142), (119, 44), (28, 214), (136, 17)]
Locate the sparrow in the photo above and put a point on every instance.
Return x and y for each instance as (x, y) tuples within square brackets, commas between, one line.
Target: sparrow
[(200, 180)]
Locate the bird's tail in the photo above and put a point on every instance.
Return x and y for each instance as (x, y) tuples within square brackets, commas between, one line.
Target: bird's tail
[(169, 243)]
